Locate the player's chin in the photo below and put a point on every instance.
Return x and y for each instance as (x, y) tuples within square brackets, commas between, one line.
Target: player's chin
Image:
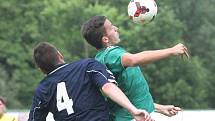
[(117, 40)]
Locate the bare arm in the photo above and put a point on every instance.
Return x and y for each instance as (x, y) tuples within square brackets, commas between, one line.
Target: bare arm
[(168, 110), (146, 57), (115, 94)]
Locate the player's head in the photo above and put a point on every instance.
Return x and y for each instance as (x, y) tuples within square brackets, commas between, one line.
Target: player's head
[(46, 57), (2, 105), (99, 32)]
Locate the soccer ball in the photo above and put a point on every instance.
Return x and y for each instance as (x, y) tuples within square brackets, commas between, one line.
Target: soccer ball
[(142, 11)]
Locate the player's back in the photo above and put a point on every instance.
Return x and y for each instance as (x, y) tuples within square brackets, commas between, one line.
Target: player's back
[(71, 93)]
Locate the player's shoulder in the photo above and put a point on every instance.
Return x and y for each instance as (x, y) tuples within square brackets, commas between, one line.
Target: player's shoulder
[(92, 62), (115, 50), (46, 85), (109, 52), (84, 61)]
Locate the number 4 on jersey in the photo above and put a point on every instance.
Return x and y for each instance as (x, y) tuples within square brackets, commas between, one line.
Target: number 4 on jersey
[(63, 101)]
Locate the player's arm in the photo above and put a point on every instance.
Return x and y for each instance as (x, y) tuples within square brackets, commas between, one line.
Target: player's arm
[(37, 112), (115, 94), (103, 79), (168, 110), (146, 57)]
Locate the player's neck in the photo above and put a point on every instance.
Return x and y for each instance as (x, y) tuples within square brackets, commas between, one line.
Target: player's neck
[(109, 45)]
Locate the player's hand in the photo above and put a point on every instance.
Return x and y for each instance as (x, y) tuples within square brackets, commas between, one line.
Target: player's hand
[(142, 115), (180, 49), (169, 110)]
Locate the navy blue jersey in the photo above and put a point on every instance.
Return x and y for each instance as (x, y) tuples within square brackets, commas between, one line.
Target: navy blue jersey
[(72, 93)]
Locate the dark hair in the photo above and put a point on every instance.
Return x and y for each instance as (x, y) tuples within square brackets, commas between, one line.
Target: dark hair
[(93, 31), (3, 100), (46, 57)]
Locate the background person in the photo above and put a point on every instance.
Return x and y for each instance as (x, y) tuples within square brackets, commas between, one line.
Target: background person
[(3, 115)]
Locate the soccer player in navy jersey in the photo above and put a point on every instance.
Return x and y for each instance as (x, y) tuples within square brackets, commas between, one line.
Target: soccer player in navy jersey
[(71, 92)]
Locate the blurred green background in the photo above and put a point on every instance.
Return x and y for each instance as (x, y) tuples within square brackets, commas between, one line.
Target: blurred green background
[(185, 83)]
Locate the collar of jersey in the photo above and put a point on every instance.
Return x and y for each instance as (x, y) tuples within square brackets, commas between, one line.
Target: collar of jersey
[(57, 68)]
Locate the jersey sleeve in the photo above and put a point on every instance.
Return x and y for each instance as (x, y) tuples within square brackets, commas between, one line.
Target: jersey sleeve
[(113, 59), (99, 74), (38, 110)]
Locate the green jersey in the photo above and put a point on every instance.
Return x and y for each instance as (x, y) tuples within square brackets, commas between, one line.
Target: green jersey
[(130, 80)]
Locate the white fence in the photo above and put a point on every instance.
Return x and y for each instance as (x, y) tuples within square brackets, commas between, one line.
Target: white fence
[(185, 115)]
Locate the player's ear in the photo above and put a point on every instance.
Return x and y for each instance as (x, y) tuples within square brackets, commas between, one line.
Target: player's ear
[(105, 40), (60, 56)]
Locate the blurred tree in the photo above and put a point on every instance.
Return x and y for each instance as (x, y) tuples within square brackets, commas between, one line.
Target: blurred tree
[(18, 28), (198, 18)]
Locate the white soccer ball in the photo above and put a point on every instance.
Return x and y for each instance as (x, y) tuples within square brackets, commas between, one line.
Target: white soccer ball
[(142, 11)]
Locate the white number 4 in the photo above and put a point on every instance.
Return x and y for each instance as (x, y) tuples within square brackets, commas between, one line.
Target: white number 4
[(63, 101)]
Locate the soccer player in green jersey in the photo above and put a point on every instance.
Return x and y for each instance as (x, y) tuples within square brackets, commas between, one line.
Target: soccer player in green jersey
[(103, 35)]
